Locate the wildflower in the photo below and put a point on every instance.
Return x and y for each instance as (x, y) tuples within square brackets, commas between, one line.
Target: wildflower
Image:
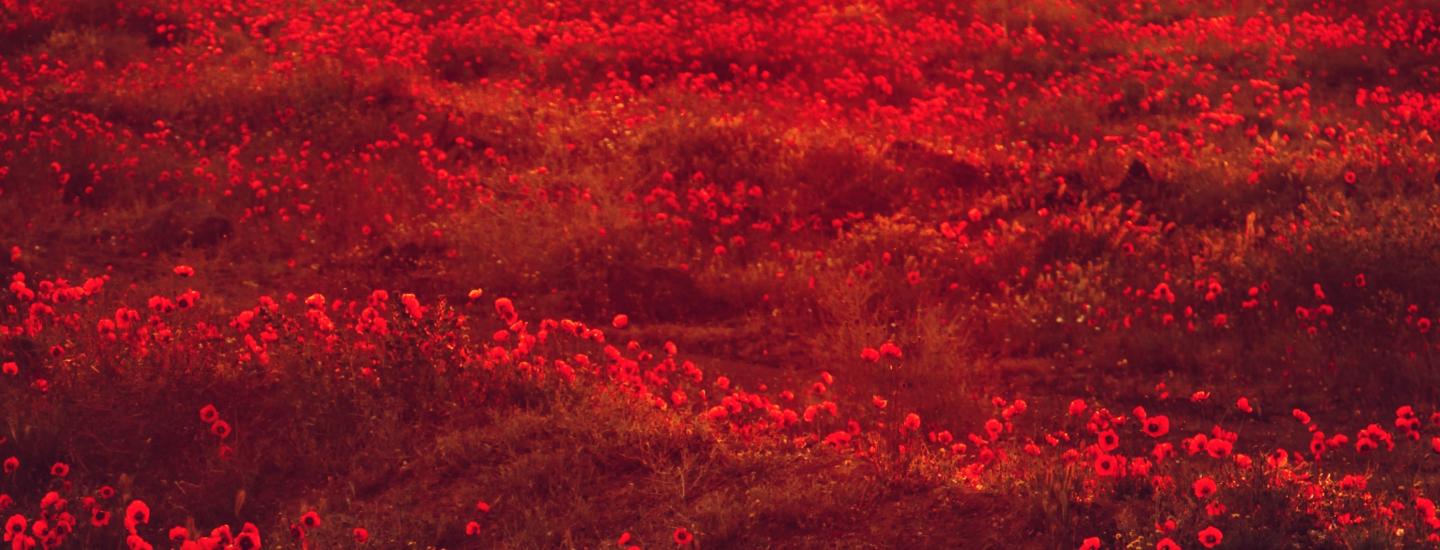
[(221, 429), (1218, 448), (10, 368), (311, 519), (912, 423), (209, 414), (1365, 444), (134, 542), (1353, 482), (1108, 440), (248, 540), (1090, 543), (11, 464), (412, 306), (137, 513), (993, 428), (1106, 465), (870, 354), (1167, 543), (60, 469), (99, 517), (620, 321), (1204, 487), (1278, 458), (14, 526), (1243, 461), (506, 309), (1157, 425), (1210, 536), (1244, 405), (1214, 508), (1301, 416), (889, 349), (683, 537), (1425, 506)]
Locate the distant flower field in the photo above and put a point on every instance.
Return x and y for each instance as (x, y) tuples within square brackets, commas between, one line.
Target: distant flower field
[(719, 274)]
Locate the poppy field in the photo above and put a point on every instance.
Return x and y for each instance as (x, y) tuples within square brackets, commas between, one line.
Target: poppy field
[(719, 274)]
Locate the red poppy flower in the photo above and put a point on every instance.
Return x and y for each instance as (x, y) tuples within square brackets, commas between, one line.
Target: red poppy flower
[(60, 469), (912, 423), (1167, 544), (1210, 536), (209, 414), (1106, 465), (221, 429), (620, 321), (472, 528), (1092, 543), (361, 535), (1218, 448), (248, 540), (683, 537), (10, 368), (889, 349), (1365, 444), (11, 464), (506, 309), (14, 526), (1204, 487), (1300, 415), (1108, 440), (1157, 425), (99, 518), (994, 428), (311, 519), (137, 513)]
